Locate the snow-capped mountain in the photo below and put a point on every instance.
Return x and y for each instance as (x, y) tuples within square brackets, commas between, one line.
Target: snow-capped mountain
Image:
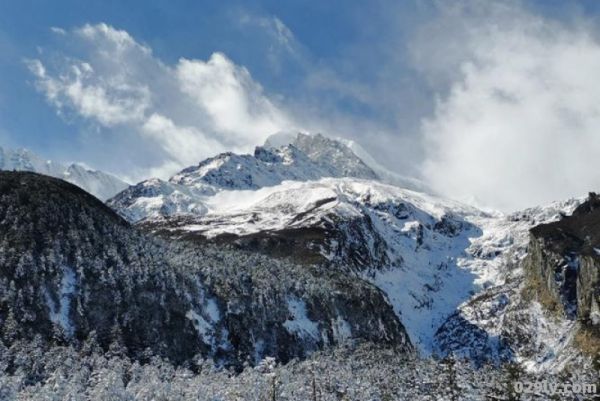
[(98, 183), (434, 259), (187, 191), (300, 254), (409, 244), (450, 271)]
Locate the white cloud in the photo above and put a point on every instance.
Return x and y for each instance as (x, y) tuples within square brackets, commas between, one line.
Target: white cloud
[(275, 28), (515, 123), (274, 40), (191, 110), (283, 33), (57, 30), (231, 98), (111, 102), (520, 124), (110, 41), (185, 142)]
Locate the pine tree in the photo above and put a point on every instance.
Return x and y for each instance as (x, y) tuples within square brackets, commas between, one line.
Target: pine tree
[(514, 373), (117, 346), (10, 328), (452, 388)]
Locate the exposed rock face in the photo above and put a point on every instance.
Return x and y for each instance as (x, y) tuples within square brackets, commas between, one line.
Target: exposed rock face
[(311, 157), (71, 270), (588, 294), (347, 156), (333, 155), (565, 256)]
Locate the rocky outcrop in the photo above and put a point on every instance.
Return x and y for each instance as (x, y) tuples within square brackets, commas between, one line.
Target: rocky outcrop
[(333, 155), (588, 294), (563, 263)]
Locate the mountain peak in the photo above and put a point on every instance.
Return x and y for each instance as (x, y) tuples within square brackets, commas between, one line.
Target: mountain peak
[(308, 157), (331, 154), (349, 158), (281, 138)]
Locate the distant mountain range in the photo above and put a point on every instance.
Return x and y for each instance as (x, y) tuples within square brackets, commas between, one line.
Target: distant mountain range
[(100, 184)]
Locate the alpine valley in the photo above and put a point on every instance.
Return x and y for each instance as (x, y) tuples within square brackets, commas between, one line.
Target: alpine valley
[(303, 271)]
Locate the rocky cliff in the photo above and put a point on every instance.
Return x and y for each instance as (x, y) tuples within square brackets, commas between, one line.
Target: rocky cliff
[(564, 263)]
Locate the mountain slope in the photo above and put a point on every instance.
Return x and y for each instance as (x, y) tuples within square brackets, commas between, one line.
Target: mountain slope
[(453, 274), (98, 183), (73, 271), (413, 246), (409, 244)]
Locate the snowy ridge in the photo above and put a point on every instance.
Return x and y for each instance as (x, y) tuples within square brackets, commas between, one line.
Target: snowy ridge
[(344, 153), (98, 183)]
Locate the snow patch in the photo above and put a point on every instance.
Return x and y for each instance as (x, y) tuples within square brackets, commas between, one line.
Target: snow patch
[(59, 314), (203, 327), (205, 321), (300, 324), (342, 331)]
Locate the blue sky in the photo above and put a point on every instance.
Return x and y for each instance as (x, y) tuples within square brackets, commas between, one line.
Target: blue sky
[(400, 78), (332, 35)]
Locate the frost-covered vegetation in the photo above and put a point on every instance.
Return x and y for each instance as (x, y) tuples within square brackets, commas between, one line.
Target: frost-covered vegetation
[(29, 371)]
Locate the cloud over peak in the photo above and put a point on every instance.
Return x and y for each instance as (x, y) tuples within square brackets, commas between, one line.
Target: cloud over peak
[(520, 124), (229, 95), (186, 112)]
